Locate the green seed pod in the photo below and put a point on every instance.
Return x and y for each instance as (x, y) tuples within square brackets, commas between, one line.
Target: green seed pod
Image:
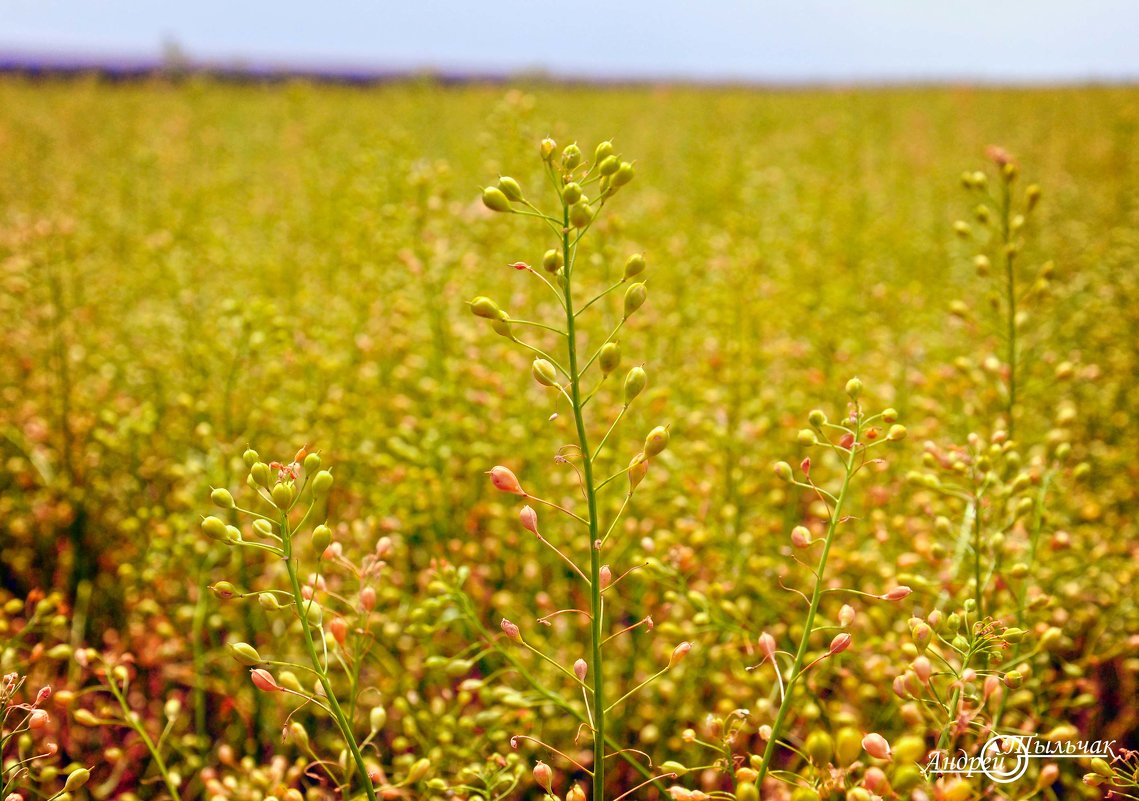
[(377, 718), (321, 538), (222, 498), (571, 193), (848, 745), (214, 528), (634, 266), (76, 779), (608, 166), (544, 373), (673, 766), (485, 307), (656, 441), (312, 463), (571, 156), (635, 297), (262, 528), (782, 471), (1100, 766), (805, 794), (283, 495), (510, 188), (858, 794), (547, 148), (321, 483), (268, 601), (635, 382), (622, 176), (603, 151), (420, 769), (495, 199), (313, 613), (501, 327), (638, 469), (807, 437), (552, 260), (747, 792), (820, 748), (896, 433), (610, 357), (580, 214), (224, 590), (1032, 195), (906, 778), (299, 734), (261, 473), (250, 457), (817, 418), (289, 680), (244, 653), (854, 388)]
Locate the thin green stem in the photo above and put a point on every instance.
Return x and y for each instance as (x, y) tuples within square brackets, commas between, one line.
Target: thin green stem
[(135, 723), (334, 705), (595, 601), (808, 627)]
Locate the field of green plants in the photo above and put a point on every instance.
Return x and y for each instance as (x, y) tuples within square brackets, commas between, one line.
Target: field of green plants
[(490, 442)]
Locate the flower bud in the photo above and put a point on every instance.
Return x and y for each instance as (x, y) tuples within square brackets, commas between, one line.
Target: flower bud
[(244, 653), (504, 480), (222, 498), (782, 471), (544, 373), (609, 358), (635, 382), (495, 199), (635, 297), (876, 745), (571, 193), (656, 441), (580, 668), (510, 188)]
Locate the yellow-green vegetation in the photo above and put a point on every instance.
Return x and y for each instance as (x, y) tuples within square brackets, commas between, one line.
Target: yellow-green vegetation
[(887, 407)]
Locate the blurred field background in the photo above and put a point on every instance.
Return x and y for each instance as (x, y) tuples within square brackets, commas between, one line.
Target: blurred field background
[(190, 268)]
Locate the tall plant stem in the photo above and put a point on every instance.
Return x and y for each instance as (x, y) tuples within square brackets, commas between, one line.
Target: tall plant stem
[(816, 596), (342, 721), (595, 604), (1010, 278)]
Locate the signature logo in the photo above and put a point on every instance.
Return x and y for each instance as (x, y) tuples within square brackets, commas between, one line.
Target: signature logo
[(1005, 757)]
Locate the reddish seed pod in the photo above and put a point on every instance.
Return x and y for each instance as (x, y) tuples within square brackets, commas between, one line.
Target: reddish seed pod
[(800, 537), (840, 643), (504, 480), (511, 630), (846, 615), (339, 628), (767, 645), (896, 594), (263, 680), (580, 668), (605, 576), (529, 519), (679, 652), (876, 745), (544, 776), (368, 598)]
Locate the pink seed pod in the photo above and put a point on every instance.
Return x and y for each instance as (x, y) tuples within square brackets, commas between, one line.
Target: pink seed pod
[(529, 519), (767, 645), (805, 466), (605, 576), (504, 480), (263, 680), (339, 628), (764, 732), (368, 598), (580, 668), (520, 265), (576, 793), (13, 797), (896, 594), (876, 745), (510, 630), (968, 675), (992, 684), (923, 669), (375, 776), (876, 782), (43, 695), (846, 615), (37, 719), (679, 652), (899, 687), (544, 776), (840, 643), (801, 537)]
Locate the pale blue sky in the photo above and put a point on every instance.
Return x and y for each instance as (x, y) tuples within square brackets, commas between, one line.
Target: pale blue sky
[(996, 40)]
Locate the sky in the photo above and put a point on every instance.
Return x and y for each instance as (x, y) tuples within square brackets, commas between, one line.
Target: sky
[(796, 40)]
